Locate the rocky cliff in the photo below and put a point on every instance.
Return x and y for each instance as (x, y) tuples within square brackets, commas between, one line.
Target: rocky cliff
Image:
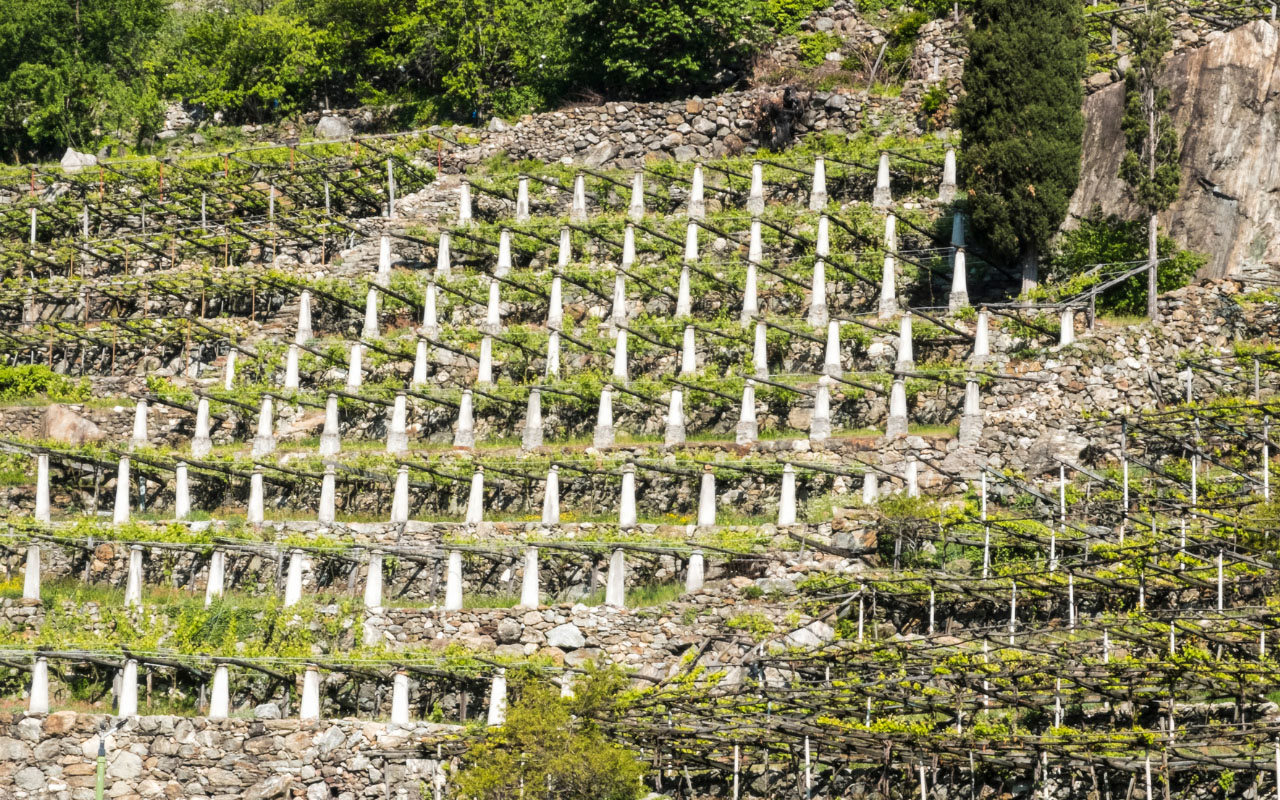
[(1225, 107)]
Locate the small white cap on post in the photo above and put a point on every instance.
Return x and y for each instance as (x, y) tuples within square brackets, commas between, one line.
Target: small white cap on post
[(818, 313), (370, 329), (264, 443), (453, 582), (707, 497), (497, 700), (120, 515), (293, 579), (256, 513), (882, 198), (330, 439), (397, 438), (627, 500), (578, 210), (181, 492), (787, 503), (139, 437), (31, 578), (603, 435), (39, 701), (328, 496), (820, 422), (831, 357), (897, 425), (42, 488), (888, 288), (400, 698), (748, 428), (675, 419), (217, 577), (697, 208), (220, 693), (475, 498), (291, 367), (529, 595), (464, 432), (128, 700), (551, 497), (201, 443), (310, 707), (355, 372), (531, 438), (373, 581), (818, 193), (400, 498), (615, 589), (696, 575)]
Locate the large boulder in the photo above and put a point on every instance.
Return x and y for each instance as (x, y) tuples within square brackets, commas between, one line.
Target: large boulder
[(566, 637), (61, 424), (73, 160), (333, 128)]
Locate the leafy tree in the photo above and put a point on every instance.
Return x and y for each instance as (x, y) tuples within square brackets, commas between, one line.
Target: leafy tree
[(642, 47), (1150, 164), (1021, 123), (74, 73), (550, 749)]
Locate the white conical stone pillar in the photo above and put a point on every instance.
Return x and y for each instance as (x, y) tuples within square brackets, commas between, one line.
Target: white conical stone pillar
[(760, 351), (555, 308), (31, 578), (748, 428), (383, 276), (882, 198), (890, 233), (553, 354), (229, 374), (551, 498), (684, 298), (755, 199), (217, 577), (912, 478), (820, 422), (578, 211), (291, 368), (484, 373), (620, 358), (947, 191), (870, 488), (139, 437), (133, 588), (370, 329), (982, 337), (707, 497), (373, 580), (120, 516), (201, 443), (264, 444), (818, 194), (400, 498), (430, 319), (959, 297), (531, 438), (128, 700), (787, 503), (628, 246), (475, 498), (453, 582), (696, 576), (493, 312), (331, 438), (303, 334), (897, 425), (688, 353), (888, 288), (443, 267), (1067, 334), (220, 693), (328, 496), (419, 365), (603, 436), (750, 300), (529, 595), (818, 313), (906, 353), (822, 248), (618, 309), (498, 695), (400, 698), (522, 199), (565, 255), (635, 212), (464, 204), (697, 208), (256, 514), (464, 433), (181, 492), (42, 488), (310, 707), (503, 268), (397, 438), (831, 358), (957, 230), (615, 589), (675, 419), (971, 420), (293, 579), (691, 243), (39, 701), (627, 498), (355, 371)]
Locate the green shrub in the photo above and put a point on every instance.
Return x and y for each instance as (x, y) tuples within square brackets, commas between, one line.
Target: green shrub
[(27, 381), (815, 46), (785, 16)]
